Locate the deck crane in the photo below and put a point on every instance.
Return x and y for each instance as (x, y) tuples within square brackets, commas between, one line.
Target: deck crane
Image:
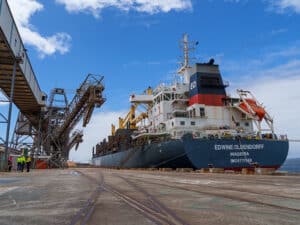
[(131, 120)]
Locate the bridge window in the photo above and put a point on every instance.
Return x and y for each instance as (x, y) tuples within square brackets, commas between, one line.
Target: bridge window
[(209, 81), (158, 99), (202, 112), (193, 123), (182, 123), (192, 113), (168, 97)]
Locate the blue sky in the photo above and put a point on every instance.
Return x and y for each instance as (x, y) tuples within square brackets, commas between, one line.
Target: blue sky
[(134, 44)]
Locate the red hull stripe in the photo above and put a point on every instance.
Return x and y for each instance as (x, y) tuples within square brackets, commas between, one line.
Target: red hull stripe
[(207, 99)]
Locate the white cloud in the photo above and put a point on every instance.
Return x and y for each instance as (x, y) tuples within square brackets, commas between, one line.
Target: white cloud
[(147, 6), (232, 1), (284, 5), (98, 129), (279, 6), (23, 10), (278, 31)]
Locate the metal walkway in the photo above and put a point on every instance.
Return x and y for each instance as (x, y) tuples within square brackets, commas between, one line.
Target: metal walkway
[(28, 96)]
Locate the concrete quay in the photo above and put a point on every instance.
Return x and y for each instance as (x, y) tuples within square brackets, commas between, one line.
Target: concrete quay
[(89, 196)]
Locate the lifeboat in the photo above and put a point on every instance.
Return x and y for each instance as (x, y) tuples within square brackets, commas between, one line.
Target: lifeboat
[(258, 110)]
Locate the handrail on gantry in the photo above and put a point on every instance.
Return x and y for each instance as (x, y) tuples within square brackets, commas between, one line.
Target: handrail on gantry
[(13, 48), (88, 96)]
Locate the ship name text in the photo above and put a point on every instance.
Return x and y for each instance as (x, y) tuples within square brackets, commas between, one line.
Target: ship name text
[(239, 147)]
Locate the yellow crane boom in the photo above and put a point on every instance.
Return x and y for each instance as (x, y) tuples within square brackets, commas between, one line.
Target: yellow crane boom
[(130, 121)]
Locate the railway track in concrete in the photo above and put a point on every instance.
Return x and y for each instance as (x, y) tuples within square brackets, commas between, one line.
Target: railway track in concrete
[(264, 180), (154, 209), (84, 215), (146, 204), (232, 194), (240, 189)]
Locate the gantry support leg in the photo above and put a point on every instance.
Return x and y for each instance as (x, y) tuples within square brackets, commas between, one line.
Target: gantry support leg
[(4, 163)]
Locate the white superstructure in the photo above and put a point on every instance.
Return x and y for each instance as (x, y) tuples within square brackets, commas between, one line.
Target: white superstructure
[(200, 105)]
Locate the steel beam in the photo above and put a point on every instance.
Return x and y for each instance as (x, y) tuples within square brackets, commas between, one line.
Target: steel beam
[(10, 100)]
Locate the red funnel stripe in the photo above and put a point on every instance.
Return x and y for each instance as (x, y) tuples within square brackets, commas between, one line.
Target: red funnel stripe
[(207, 99)]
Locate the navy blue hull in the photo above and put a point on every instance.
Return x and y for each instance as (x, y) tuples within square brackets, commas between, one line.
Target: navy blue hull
[(200, 153)]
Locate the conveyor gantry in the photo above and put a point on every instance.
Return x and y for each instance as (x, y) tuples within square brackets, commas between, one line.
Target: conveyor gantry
[(37, 119), (28, 96)]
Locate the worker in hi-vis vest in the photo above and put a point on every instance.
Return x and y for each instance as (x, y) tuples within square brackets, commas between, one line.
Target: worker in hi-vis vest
[(19, 162), (28, 163), (23, 161)]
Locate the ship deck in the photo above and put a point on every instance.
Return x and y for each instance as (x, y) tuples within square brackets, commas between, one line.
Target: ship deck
[(106, 196)]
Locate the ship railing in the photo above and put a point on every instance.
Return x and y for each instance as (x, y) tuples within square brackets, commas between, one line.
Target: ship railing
[(230, 135), (198, 117), (227, 134), (180, 101), (179, 107), (283, 137), (160, 88)]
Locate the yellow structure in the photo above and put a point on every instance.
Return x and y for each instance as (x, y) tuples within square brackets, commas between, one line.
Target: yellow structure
[(130, 121), (113, 130)]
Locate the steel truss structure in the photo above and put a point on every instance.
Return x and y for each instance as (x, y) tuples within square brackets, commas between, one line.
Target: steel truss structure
[(55, 135)]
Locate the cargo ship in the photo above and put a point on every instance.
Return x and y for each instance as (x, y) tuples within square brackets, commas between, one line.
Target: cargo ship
[(193, 123)]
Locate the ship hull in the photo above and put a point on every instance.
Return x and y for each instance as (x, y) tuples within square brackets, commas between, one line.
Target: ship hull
[(200, 153)]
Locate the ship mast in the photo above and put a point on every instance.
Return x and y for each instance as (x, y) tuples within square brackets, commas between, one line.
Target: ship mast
[(184, 69), (186, 50)]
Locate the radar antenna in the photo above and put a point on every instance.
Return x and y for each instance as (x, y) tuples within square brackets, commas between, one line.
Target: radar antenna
[(186, 46)]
